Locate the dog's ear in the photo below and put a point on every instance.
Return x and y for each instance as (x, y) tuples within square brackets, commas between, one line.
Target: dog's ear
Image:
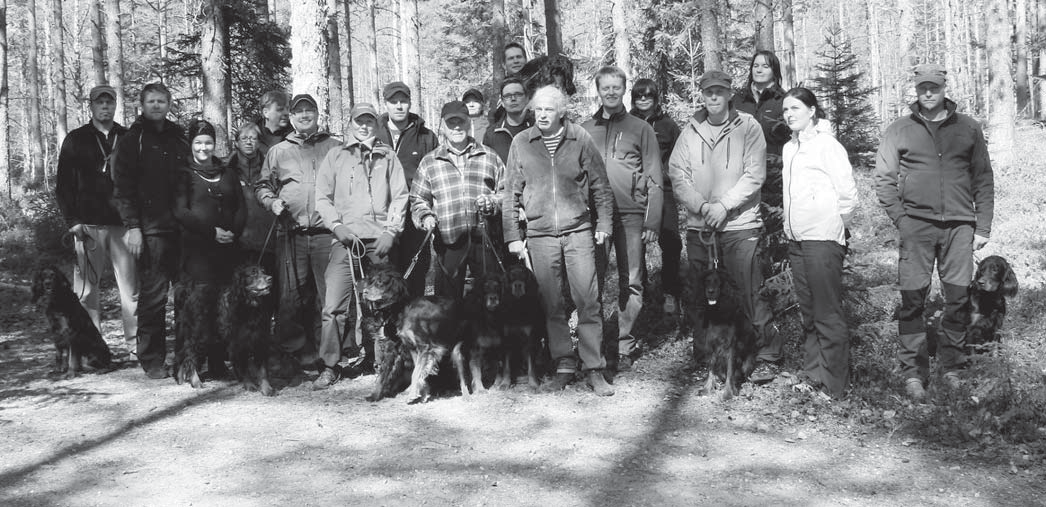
[(1009, 281)]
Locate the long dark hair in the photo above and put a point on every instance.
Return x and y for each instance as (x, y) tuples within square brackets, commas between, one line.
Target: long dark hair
[(646, 86), (808, 98), (775, 67)]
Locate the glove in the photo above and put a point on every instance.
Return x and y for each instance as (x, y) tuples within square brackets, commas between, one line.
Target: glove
[(485, 205)]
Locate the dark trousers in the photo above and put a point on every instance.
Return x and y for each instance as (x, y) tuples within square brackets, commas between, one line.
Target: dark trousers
[(157, 268), (817, 272), (453, 260), (302, 263), (950, 245), (409, 243), (342, 270), (671, 247)]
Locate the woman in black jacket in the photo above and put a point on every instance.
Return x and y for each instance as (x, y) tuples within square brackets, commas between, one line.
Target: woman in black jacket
[(762, 97)]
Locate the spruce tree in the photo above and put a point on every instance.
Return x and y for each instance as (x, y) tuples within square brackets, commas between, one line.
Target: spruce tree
[(845, 101)]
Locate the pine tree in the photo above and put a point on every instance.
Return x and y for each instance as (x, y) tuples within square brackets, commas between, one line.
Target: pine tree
[(844, 99)]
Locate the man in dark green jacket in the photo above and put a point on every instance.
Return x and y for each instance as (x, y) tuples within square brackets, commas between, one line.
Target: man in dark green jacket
[(934, 179)]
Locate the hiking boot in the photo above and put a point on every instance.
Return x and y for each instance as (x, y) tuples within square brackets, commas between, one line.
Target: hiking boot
[(764, 372), (953, 379), (599, 384), (326, 379), (914, 388), (558, 383), (670, 306), (624, 363)]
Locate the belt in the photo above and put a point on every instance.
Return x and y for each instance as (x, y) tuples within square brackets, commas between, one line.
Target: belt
[(310, 231)]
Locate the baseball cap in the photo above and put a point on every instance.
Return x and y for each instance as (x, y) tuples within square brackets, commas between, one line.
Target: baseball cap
[(455, 109), (929, 73), (472, 92), (361, 109), (394, 87), (100, 90), (303, 97), (714, 78)]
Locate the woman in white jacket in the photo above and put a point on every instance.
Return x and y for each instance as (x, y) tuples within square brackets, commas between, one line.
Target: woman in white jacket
[(819, 200)]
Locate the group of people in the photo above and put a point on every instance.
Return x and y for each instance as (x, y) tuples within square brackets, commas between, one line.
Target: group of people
[(524, 182)]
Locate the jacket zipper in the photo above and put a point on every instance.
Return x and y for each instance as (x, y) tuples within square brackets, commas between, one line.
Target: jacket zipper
[(791, 177)]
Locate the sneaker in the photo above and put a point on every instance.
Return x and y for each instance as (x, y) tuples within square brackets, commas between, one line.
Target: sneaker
[(765, 371), (953, 379), (914, 388), (671, 306), (326, 379), (599, 384), (558, 383)]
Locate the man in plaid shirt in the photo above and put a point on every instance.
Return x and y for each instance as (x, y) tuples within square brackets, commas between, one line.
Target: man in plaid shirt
[(454, 192)]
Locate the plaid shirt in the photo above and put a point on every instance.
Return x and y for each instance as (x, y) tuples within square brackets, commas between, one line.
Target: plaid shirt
[(447, 191)]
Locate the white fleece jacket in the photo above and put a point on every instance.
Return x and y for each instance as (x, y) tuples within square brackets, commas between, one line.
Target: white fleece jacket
[(819, 190)]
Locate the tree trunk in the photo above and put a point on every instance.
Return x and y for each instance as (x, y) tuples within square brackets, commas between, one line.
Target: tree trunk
[(5, 115), (1023, 91), (372, 10), (114, 45), (337, 112), (788, 70), (528, 26), (1003, 113), (553, 28), (58, 73), (622, 56), (213, 60), (1040, 69), (261, 9), (764, 25), (97, 28), (309, 58), (161, 36), (710, 35), (349, 89), (876, 65), (36, 139), (409, 55), (500, 27)]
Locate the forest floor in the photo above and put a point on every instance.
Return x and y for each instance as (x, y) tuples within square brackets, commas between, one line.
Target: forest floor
[(118, 438)]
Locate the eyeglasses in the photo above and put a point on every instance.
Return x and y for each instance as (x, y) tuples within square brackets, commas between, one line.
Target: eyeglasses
[(641, 96), (248, 139), (513, 96)]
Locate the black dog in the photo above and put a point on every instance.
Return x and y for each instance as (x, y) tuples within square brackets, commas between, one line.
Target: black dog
[(991, 285), (245, 310), (196, 331), (429, 328), (730, 339), (524, 321), (384, 296), (75, 337), (484, 346)]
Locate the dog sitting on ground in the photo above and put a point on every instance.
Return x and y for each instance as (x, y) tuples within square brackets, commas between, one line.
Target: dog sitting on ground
[(429, 328), (196, 331), (245, 310), (730, 339), (993, 282), (484, 347), (76, 339), (524, 321), (384, 296)]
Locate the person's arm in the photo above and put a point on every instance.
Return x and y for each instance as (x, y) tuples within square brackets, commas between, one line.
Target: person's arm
[(183, 210), (681, 173), (400, 194), (421, 193), (599, 185), (651, 159), (887, 166), (239, 220), (66, 183), (326, 180), (512, 189), (837, 165), (126, 177), (983, 183), (266, 189)]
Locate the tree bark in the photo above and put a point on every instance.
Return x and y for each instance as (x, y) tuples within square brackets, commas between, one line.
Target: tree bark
[(337, 112), (710, 35), (213, 63), (553, 28), (5, 114), (764, 25), (97, 28), (349, 89), (36, 139), (876, 65), (1003, 113), (58, 72), (114, 46), (309, 57), (1021, 78), (1040, 59), (622, 55), (409, 56), (500, 27), (372, 10), (788, 70)]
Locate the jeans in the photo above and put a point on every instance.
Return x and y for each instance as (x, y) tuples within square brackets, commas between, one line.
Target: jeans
[(302, 264), (337, 301)]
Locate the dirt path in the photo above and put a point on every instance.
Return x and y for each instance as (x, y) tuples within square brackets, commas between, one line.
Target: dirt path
[(120, 439)]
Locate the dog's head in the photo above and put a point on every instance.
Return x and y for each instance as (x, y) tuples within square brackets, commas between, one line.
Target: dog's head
[(715, 286), (995, 275), (253, 280), (383, 288), (46, 282), (519, 280), (491, 289)]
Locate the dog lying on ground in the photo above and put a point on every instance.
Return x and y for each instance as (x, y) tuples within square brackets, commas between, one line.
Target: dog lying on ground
[(993, 282), (384, 297), (76, 339), (730, 339), (524, 321), (484, 346), (245, 310)]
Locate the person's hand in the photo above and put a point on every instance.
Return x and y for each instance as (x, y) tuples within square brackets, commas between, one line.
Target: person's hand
[(715, 215), (344, 236), (383, 244), (601, 237), (278, 207), (428, 223), (133, 238), (979, 241), (649, 236), (517, 248), (223, 236), (79, 231), (485, 205)]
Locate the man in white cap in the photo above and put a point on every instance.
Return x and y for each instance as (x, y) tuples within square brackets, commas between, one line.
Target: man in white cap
[(84, 191), (935, 181)]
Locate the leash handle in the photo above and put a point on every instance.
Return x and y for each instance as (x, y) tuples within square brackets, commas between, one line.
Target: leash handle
[(268, 236), (414, 261)]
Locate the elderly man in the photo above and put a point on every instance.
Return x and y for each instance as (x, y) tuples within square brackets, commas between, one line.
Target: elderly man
[(935, 181), (303, 245), (84, 191), (555, 178), (144, 164), (407, 134), (717, 169), (454, 194), (361, 196), (633, 163)]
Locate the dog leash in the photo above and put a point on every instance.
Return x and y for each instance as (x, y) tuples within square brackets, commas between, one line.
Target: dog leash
[(268, 236), (355, 252), (425, 243), (488, 243), (712, 244), (90, 274)]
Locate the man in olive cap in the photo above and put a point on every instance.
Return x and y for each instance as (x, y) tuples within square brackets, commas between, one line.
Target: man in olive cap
[(934, 180)]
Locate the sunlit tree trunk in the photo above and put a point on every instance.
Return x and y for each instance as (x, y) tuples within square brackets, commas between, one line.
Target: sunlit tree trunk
[(96, 26), (409, 39), (36, 139), (114, 52), (1003, 112), (213, 59), (500, 28), (1040, 59), (373, 50), (622, 55), (309, 57), (5, 115), (349, 90), (337, 111), (1021, 78), (787, 44), (710, 35), (553, 28), (58, 72), (764, 24)]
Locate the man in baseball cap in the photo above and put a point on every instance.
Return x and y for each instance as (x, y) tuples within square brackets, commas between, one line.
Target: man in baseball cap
[(102, 90), (473, 98)]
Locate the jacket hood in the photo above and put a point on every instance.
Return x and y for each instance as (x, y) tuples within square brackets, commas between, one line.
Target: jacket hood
[(297, 138), (702, 114)]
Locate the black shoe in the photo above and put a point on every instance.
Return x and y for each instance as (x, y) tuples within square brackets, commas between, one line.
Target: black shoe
[(558, 383), (764, 372), (357, 367), (326, 379)]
